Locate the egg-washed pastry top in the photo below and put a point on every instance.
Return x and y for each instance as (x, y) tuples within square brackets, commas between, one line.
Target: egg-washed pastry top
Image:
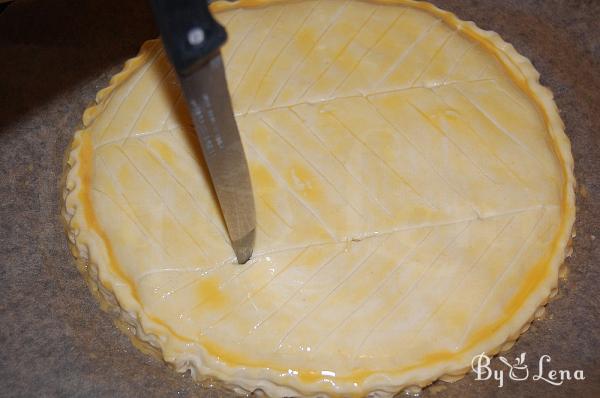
[(413, 188)]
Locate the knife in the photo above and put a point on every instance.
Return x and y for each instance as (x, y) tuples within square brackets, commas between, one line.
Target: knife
[(192, 39)]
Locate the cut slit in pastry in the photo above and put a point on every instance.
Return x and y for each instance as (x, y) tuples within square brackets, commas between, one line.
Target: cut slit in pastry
[(413, 187)]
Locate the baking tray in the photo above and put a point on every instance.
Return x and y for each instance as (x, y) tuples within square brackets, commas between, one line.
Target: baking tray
[(55, 341)]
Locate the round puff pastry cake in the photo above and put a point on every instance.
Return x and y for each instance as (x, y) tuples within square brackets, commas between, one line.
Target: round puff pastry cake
[(414, 198)]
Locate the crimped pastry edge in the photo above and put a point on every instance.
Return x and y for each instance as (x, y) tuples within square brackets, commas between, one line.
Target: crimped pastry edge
[(116, 298)]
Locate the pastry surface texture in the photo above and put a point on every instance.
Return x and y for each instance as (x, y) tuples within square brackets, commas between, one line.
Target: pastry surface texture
[(413, 188)]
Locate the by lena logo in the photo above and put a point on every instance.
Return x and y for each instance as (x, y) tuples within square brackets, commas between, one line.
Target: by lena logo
[(519, 371)]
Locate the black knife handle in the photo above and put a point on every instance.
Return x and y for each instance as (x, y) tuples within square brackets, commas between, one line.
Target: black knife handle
[(190, 33)]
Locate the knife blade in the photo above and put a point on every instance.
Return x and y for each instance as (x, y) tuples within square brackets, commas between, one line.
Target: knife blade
[(192, 39)]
